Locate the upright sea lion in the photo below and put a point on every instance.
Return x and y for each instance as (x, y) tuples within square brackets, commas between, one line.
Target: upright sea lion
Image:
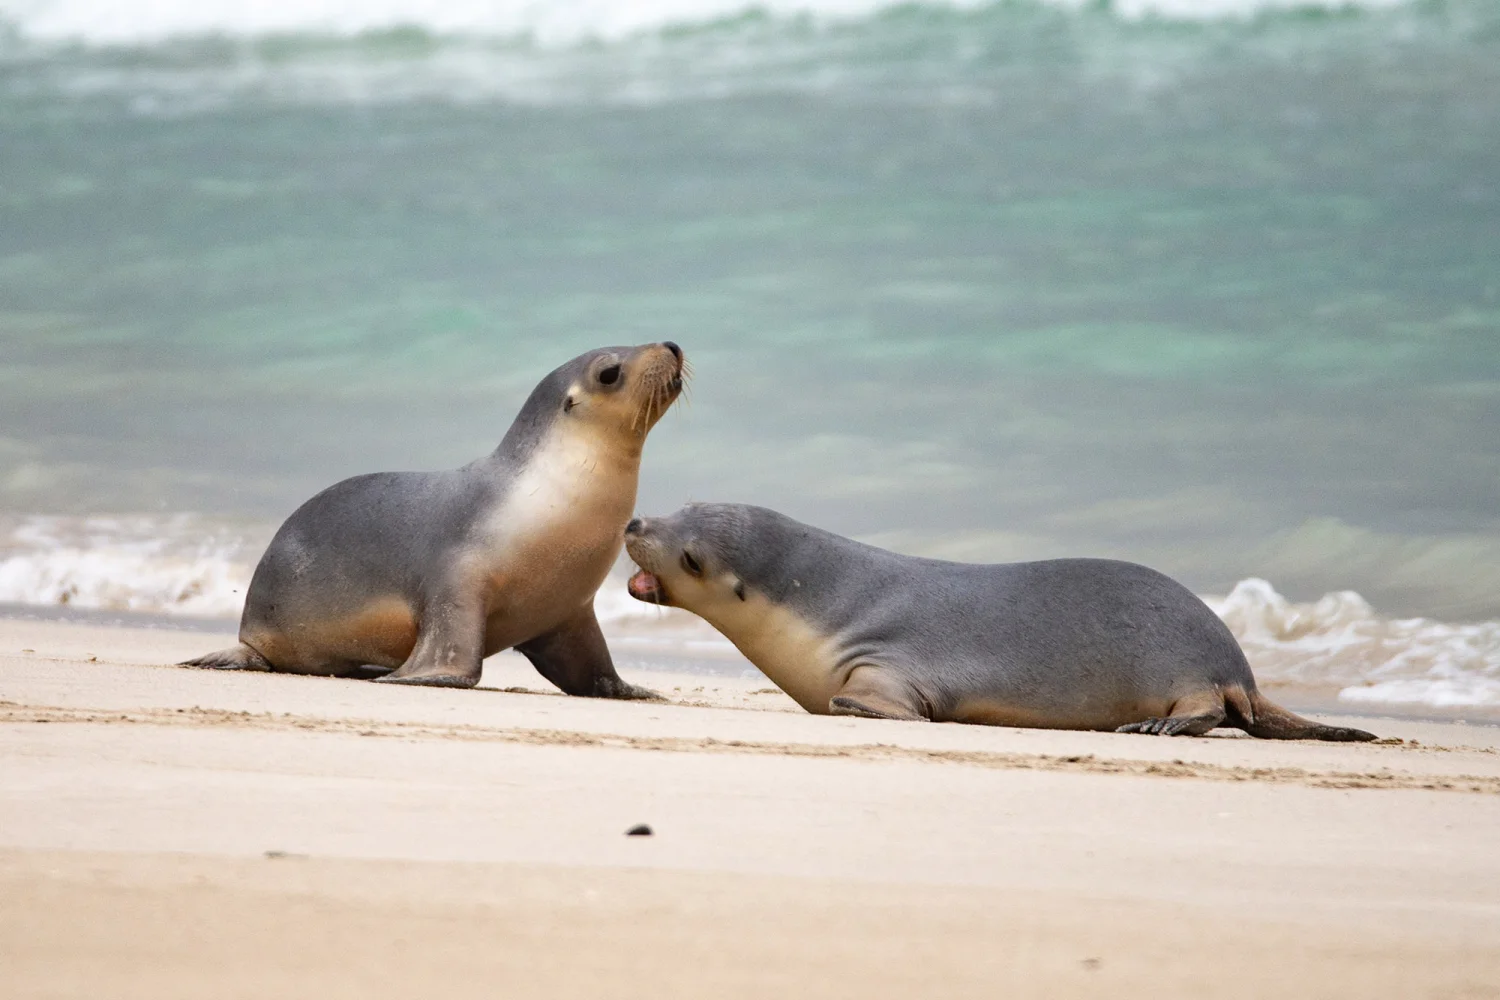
[(849, 629), (421, 575)]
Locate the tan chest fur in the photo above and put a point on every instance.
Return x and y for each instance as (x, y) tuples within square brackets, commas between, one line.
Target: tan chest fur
[(784, 646), (560, 529)]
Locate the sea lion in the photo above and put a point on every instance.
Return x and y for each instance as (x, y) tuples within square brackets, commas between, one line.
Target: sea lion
[(849, 629), (421, 575)]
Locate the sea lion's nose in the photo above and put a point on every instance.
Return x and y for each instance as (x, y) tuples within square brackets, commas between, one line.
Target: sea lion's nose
[(635, 526), (676, 351)]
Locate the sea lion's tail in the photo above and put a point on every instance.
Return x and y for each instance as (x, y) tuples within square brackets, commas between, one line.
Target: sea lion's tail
[(236, 657), (1263, 718)]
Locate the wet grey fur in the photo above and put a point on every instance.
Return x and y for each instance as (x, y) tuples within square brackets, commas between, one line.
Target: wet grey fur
[(397, 534), (412, 520), (1074, 643)]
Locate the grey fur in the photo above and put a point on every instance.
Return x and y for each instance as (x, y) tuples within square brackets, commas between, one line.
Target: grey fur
[(1064, 643), (412, 574)]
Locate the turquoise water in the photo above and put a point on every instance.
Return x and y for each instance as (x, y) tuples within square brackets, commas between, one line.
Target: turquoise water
[(1221, 294)]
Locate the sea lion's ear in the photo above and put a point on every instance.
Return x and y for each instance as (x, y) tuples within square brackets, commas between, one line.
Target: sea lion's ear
[(739, 589)]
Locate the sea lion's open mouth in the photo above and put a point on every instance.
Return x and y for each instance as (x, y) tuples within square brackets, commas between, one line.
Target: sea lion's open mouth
[(647, 587)]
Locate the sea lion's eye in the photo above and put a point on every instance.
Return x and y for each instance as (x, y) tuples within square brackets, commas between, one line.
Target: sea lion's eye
[(690, 564), (610, 375), (568, 405)]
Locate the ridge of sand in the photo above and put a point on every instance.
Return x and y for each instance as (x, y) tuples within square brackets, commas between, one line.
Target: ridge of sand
[(1087, 763)]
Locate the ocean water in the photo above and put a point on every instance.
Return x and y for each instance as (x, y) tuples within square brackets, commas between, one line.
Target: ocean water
[(1208, 284)]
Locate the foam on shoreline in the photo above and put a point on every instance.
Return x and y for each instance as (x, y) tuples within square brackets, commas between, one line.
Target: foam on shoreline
[(190, 567), (559, 23)]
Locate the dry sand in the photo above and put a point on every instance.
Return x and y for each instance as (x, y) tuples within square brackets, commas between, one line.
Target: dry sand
[(175, 833)]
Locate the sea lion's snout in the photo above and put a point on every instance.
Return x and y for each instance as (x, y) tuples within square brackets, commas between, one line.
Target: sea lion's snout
[(660, 371), (635, 527), (647, 587), (625, 389), (675, 382)]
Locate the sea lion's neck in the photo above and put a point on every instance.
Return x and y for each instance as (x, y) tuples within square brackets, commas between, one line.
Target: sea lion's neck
[(576, 473), (799, 657)]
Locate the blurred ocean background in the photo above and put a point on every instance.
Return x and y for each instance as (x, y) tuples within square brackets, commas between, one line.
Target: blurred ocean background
[(1208, 284)]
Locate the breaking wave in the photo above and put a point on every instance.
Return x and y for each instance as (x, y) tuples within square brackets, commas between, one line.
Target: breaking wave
[(182, 57), (177, 565), (1339, 640), (555, 23)]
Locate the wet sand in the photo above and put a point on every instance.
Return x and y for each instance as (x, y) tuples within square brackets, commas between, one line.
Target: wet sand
[(171, 833)]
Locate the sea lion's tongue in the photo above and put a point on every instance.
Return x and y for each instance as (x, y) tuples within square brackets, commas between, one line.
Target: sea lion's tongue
[(645, 587)]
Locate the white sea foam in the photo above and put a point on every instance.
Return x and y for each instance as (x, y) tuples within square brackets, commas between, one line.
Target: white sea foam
[(1339, 640), (194, 566), (553, 22), (176, 565), (176, 57)]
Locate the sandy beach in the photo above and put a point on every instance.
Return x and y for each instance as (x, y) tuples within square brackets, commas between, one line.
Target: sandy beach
[(177, 833)]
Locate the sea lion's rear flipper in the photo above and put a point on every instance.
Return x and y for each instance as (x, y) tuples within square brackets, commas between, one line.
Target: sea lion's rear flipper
[(575, 658), (236, 657), (1269, 721), (1191, 716), (876, 693)]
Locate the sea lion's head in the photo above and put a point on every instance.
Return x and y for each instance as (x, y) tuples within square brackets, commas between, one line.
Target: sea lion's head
[(768, 583), (689, 559), (620, 389), (605, 401)]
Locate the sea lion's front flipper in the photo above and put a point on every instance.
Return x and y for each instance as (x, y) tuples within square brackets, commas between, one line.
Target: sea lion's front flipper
[(1191, 716), (877, 693), (450, 646), (575, 658)]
